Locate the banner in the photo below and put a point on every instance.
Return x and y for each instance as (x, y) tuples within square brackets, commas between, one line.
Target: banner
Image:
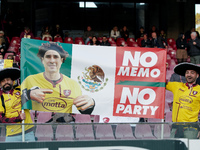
[(123, 81)]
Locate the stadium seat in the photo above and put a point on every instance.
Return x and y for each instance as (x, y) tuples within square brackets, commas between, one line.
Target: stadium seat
[(104, 132), (84, 132), (132, 44), (64, 133), (168, 96), (81, 118), (79, 40), (68, 40), (15, 40), (8, 39), (168, 117), (14, 49), (8, 53), (88, 43), (143, 131), (58, 39), (2, 133), (130, 40), (139, 42), (37, 38), (43, 116), (120, 41), (171, 41), (154, 120), (110, 39), (96, 118), (47, 38), (100, 39), (167, 109), (44, 133), (124, 131), (158, 128)]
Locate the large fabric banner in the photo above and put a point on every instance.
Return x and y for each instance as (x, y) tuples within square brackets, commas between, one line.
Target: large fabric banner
[(123, 81)]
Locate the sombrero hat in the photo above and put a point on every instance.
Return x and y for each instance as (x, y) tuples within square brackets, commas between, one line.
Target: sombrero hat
[(13, 73), (182, 67)]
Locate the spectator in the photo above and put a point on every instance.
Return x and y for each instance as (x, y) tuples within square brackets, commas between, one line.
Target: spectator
[(163, 34), (188, 33), (12, 57), (1, 56), (2, 46), (115, 33), (145, 42), (88, 34), (58, 31), (94, 41), (157, 42), (46, 32), (124, 33), (10, 113), (141, 33), (26, 33), (181, 44), (186, 101), (193, 48), (153, 29), (2, 35), (105, 41)]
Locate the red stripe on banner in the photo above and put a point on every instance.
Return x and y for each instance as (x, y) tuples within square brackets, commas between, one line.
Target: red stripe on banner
[(140, 64)]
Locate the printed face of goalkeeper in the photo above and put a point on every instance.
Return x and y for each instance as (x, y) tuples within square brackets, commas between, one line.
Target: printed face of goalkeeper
[(52, 57)]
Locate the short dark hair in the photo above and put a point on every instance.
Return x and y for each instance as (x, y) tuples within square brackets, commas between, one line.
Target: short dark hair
[(52, 46)]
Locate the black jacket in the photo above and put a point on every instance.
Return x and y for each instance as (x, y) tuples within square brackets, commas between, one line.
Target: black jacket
[(181, 43), (193, 50)]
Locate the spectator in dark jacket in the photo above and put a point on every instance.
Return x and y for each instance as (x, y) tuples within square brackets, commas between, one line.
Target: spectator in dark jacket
[(145, 42), (181, 44), (124, 33), (194, 49), (158, 42), (105, 41), (94, 41)]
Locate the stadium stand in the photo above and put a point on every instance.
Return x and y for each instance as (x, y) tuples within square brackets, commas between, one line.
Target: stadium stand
[(157, 131), (68, 40)]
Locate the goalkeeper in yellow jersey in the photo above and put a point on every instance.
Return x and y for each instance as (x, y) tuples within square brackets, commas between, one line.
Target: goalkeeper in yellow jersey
[(51, 90), (186, 102)]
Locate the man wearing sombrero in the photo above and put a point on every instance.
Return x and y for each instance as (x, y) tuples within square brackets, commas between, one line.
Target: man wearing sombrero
[(10, 107), (186, 101)]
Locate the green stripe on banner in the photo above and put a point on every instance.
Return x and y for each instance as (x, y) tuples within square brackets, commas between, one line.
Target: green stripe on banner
[(140, 83)]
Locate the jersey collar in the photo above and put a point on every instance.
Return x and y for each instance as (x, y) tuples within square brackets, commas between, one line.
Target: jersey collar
[(54, 83), (193, 85)]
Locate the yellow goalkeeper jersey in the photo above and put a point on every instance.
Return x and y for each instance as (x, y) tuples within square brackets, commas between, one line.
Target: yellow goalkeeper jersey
[(12, 109), (64, 91), (186, 101)]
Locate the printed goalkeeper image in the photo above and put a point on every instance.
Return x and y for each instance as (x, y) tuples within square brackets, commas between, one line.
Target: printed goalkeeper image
[(72, 78), (50, 90)]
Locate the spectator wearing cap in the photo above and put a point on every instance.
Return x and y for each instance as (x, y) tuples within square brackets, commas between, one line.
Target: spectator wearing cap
[(186, 101), (26, 33), (193, 49), (10, 107)]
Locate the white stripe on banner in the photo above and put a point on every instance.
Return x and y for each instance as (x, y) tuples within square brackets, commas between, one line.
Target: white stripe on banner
[(102, 92)]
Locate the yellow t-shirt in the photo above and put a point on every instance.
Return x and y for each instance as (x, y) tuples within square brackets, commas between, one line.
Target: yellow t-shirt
[(13, 109), (186, 101), (64, 91)]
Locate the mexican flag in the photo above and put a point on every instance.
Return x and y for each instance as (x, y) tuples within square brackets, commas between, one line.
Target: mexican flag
[(123, 81)]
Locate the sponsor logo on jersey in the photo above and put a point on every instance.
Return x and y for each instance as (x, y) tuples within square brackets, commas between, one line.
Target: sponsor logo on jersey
[(54, 104), (185, 100), (93, 79)]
